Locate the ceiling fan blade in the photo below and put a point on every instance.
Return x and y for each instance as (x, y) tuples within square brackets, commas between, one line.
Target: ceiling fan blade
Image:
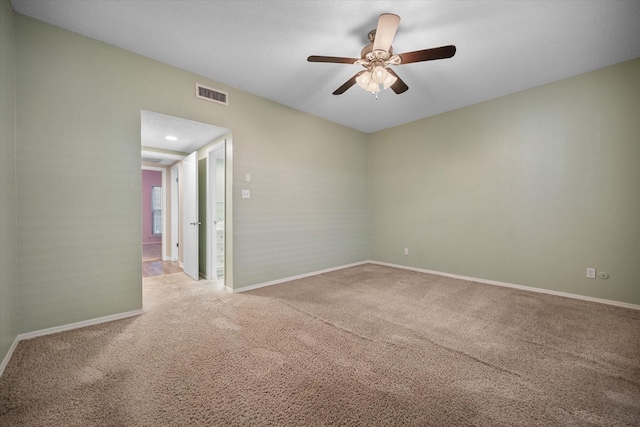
[(386, 31), (399, 86), (342, 89), (332, 59), (428, 54)]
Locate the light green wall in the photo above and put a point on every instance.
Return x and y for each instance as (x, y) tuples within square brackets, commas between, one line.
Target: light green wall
[(8, 196), (78, 104), (308, 209), (529, 189)]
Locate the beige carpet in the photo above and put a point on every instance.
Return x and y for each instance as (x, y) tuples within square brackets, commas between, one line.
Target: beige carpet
[(368, 345)]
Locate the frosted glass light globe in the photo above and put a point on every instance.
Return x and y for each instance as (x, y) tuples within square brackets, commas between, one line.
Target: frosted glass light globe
[(379, 74)]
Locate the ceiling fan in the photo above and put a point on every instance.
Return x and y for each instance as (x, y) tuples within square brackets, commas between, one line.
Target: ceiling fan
[(378, 56)]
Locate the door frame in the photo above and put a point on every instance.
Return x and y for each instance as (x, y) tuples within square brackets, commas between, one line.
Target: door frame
[(174, 253), (211, 209)]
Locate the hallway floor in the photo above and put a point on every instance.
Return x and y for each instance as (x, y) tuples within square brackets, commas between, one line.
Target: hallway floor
[(151, 252), (159, 267), (152, 264)]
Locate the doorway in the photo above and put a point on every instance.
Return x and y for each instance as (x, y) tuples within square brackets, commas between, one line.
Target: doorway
[(182, 148), (155, 260)]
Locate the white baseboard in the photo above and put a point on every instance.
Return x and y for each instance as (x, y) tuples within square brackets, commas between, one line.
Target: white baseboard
[(511, 285), (62, 328), (288, 279), (6, 359), (84, 323)]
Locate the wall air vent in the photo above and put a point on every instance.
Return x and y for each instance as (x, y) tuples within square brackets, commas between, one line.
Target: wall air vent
[(210, 94)]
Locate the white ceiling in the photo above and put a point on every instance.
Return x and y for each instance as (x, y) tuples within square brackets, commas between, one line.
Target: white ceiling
[(261, 46)]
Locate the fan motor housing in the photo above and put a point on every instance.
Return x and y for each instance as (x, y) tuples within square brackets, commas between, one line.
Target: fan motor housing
[(366, 52)]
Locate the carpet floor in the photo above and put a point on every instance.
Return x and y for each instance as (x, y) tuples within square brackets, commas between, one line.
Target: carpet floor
[(368, 345)]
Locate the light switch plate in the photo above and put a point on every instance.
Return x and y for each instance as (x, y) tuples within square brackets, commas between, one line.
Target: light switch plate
[(246, 194), (247, 177)]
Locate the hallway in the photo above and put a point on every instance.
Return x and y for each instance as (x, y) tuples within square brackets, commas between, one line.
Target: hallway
[(152, 264)]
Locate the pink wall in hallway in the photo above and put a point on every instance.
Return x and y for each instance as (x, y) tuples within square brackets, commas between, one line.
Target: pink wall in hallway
[(149, 179)]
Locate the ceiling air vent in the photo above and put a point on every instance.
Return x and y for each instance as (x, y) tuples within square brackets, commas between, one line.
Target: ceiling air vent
[(210, 94)]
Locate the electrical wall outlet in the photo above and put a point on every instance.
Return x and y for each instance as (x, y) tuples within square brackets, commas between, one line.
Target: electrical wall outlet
[(406, 251), (591, 273)]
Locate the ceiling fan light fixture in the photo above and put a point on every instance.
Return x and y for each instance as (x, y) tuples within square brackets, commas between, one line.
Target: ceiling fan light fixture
[(373, 87), (379, 74), (389, 80), (377, 56), (364, 79)]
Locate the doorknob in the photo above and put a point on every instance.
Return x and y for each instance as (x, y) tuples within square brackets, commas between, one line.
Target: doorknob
[(195, 223)]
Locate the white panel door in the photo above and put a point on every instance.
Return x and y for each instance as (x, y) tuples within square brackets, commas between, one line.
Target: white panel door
[(190, 223)]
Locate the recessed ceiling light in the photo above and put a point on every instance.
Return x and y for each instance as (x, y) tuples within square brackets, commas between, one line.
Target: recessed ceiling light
[(171, 138)]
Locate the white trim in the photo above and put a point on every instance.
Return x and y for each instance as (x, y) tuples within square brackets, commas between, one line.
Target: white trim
[(288, 279), (228, 211), (84, 323), (511, 285), (6, 359), (161, 154), (62, 328), (207, 215), (175, 214), (440, 273), (211, 198)]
